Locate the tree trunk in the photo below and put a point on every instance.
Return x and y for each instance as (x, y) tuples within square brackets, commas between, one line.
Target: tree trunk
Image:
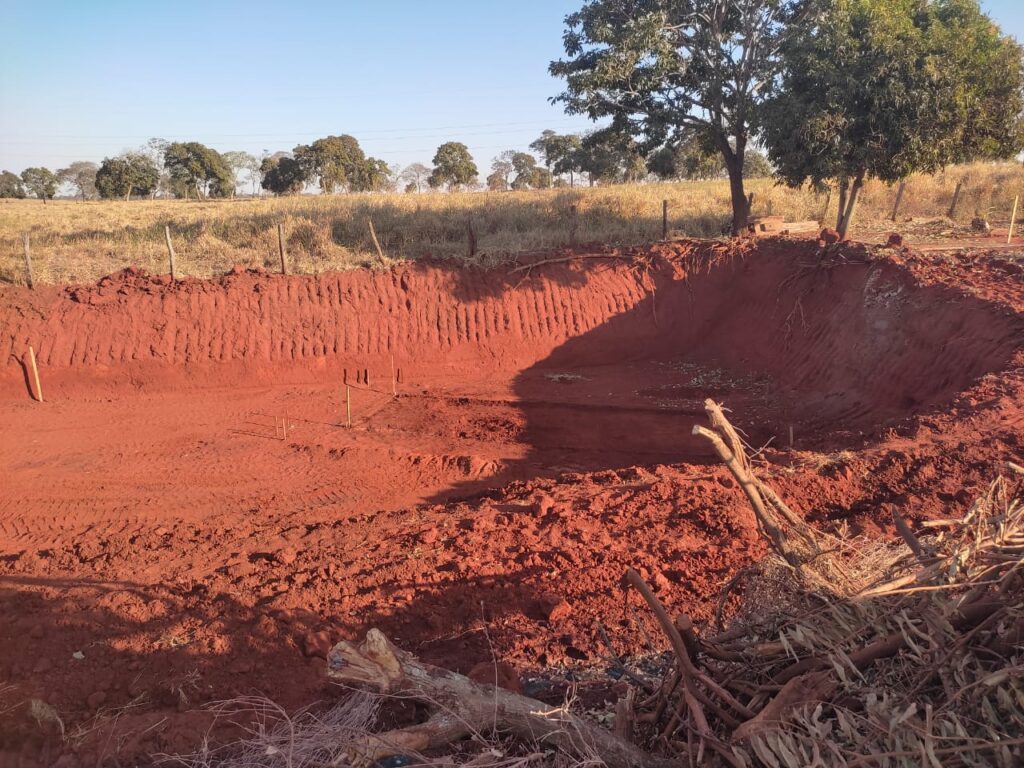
[(128, 195), (733, 156), (734, 165), (851, 205), (844, 193)]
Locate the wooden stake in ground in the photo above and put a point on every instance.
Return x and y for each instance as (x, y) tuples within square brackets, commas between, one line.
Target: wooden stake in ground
[(470, 238), (664, 219), (28, 263), (348, 406), (35, 373), (281, 249), (899, 199), (1013, 219), (956, 199), (376, 243), (170, 252)]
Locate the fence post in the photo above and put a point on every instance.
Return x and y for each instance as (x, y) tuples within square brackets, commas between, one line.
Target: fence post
[(470, 238), (956, 199), (35, 373), (899, 199), (664, 219), (170, 251), (282, 252), (28, 263), (376, 242), (1013, 220)]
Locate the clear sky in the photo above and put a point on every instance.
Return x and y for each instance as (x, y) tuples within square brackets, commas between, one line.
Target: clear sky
[(84, 79)]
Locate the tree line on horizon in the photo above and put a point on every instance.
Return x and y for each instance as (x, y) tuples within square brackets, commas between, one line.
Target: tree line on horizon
[(338, 164), (833, 91)]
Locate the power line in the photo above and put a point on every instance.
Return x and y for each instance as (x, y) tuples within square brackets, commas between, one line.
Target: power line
[(293, 134)]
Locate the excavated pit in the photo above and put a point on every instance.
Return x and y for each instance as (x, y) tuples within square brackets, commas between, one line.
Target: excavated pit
[(161, 540), (592, 363)]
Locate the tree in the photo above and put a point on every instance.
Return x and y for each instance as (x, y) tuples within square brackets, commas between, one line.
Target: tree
[(242, 161), (756, 165), (132, 172), (41, 182), (415, 175), (154, 150), (610, 157), (501, 166), (194, 167), (453, 167), (565, 157), (82, 176), (496, 181), (11, 186), (373, 176), (666, 70), (558, 152), (338, 162), (528, 175), (693, 160), (282, 175), (887, 88)]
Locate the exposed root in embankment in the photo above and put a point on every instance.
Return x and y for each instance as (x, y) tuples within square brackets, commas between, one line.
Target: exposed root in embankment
[(153, 521)]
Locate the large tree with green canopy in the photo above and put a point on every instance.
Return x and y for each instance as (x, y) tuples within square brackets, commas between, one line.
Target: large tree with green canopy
[(886, 88), (339, 163), (131, 173), (453, 166), (668, 70), (195, 167)]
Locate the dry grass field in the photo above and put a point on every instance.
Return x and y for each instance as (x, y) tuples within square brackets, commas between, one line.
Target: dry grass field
[(81, 241)]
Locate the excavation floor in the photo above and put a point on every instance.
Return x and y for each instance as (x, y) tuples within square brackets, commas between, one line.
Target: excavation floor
[(162, 546)]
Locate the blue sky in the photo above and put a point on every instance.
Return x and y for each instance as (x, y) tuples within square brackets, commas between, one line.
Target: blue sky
[(87, 79)]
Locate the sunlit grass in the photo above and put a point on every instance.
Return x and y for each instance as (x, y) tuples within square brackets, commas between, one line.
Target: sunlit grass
[(76, 241)]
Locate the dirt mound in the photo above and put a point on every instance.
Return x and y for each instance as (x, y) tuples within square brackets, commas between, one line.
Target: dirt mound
[(162, 546)]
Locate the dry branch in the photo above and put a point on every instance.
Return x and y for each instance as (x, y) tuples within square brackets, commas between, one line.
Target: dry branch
[(461, 707)]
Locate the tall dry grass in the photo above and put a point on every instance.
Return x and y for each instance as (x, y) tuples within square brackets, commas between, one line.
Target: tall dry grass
[(82, 241)]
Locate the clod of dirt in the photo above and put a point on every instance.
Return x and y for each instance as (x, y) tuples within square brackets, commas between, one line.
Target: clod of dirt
[(829, 236)]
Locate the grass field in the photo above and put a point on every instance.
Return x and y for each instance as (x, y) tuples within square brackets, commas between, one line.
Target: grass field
[(82, 241)]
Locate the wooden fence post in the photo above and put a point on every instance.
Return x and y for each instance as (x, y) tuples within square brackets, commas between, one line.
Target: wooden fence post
[(573, 224), (899, 199), (956, 199), (470, 238), (664, 219), (1013, 220), (35, 373), (170, 251), (376, 242), (28, 263), (282, 252)]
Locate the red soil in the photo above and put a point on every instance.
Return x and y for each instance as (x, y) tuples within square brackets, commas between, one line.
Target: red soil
[(152, 521)]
